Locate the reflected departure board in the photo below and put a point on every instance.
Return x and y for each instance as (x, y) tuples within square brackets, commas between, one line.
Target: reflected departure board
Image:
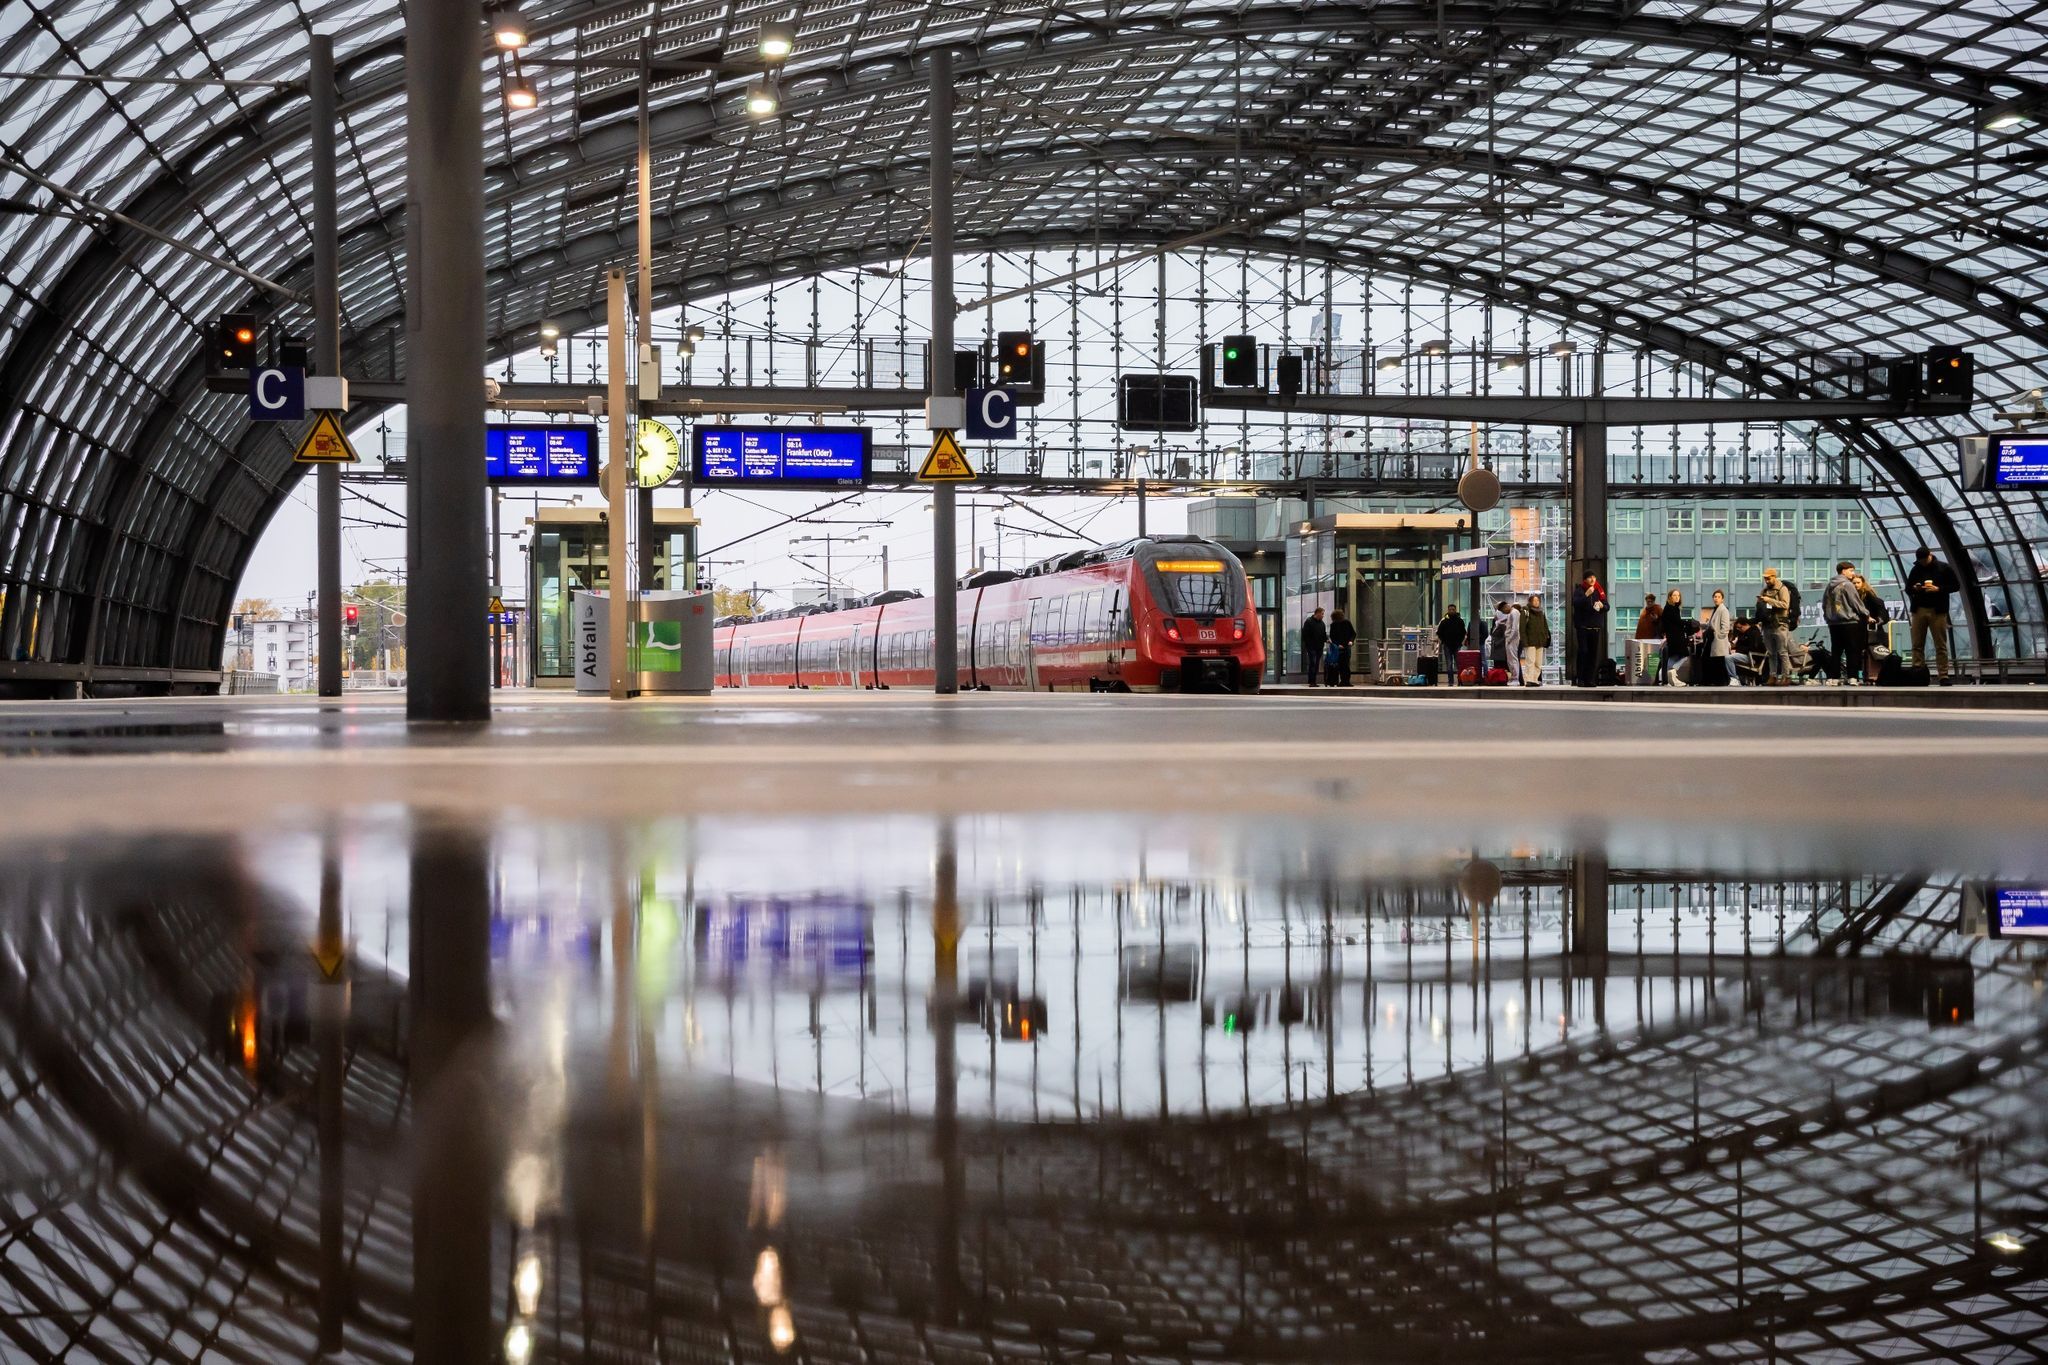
[(783, 457)]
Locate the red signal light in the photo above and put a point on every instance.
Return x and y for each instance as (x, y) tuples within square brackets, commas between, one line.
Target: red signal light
[(349, 612)]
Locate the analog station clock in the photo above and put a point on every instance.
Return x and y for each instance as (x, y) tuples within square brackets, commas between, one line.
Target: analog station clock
[(657, 453)]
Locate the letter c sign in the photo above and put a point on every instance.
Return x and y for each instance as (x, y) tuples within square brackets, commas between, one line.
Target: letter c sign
[(277, 395), (991, 415)]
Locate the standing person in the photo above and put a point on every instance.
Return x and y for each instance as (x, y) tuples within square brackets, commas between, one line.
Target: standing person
[(1504, 641), (1535, 639), (1928, 585), (1589, 629), (1450, 638), (1677, 636), (1721, 636), (1848, 622), (1342, 633), (1880, 618), (1773, 613), (1315, 638)]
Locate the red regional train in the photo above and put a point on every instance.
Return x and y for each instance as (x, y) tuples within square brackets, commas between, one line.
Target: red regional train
[(1170, 613)]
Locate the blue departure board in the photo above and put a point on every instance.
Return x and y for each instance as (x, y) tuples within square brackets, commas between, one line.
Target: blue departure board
[(539, 454), (783, 457), (2019, 461), (2020, 912)]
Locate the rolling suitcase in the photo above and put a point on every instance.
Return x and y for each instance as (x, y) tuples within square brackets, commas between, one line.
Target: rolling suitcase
[(1706, 670)]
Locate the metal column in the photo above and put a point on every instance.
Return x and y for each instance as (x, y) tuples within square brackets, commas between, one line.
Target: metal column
[(497, 586), (326, 353), (444, 373), (1588, 552), (618, 447), (939, 368), (643, 332)]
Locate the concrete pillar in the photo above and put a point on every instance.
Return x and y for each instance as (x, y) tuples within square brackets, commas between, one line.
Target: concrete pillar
[(945, 593), (449, 678), (326, 353)]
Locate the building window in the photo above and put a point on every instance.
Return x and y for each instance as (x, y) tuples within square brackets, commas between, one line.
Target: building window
[(1714, 521), (1494, 519), (1815, 572), (1625, 619), (1713, 571), (1849, 521), (1680, 570), (1628, 518), (1815, 522), (1880, 570), (1749, 519), (1680, 520), (1628, 571), (1748, 571), (1783, 521)]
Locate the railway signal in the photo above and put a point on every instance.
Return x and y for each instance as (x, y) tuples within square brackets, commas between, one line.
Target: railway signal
[(1241, 362)]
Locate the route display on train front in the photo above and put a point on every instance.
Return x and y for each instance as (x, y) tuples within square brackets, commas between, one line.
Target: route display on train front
[(783, 457)]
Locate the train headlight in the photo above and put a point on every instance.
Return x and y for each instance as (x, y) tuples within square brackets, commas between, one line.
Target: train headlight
[(1173, 632), (1237, 630)]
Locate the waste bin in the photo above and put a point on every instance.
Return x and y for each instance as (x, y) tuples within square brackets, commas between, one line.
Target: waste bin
[(668, 652)]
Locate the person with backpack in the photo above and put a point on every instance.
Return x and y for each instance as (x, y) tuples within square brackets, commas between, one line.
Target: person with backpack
[(1342, 633), (1450, 638), (1928, 586), (1535, 639), (1848, 622), (1589, 629), (1773, 608), (1315, 637)]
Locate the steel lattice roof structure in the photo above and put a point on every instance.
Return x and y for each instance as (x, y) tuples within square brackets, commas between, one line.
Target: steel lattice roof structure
[(1699, 179)]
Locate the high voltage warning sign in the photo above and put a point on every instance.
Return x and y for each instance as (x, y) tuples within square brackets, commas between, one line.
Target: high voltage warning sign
[(947, 463), (324, 443)]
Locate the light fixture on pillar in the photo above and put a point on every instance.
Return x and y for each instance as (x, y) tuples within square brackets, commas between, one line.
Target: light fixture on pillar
[(520, 92), (693, 333), (762, 97), (1389, 364), (1436, 348), (1513, 361), (686, 348), (550, 329), (1561, 349), (508, 27), (778, 40)]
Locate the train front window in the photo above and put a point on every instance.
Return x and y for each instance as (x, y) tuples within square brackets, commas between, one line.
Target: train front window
[(1195, 587)]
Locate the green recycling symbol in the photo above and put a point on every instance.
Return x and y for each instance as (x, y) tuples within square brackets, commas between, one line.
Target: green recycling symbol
[(658, 647)]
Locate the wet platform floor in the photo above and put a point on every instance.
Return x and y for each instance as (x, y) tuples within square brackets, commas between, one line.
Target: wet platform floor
[(1022, 1029)]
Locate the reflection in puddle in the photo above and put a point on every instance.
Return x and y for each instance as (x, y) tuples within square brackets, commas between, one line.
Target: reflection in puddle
[(1017, 1088)]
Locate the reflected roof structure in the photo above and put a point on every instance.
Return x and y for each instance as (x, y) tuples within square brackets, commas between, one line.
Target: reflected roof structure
[(1705, 180)]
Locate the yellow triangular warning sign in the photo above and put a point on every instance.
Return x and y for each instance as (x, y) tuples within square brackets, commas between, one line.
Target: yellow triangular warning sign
[(947, 463), (324, 443), (497, 606)]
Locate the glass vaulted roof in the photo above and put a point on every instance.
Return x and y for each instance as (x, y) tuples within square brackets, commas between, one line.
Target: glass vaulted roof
[(1772, 178)]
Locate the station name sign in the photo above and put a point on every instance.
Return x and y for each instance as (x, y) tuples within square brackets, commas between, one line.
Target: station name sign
[(531, 454), (782, 457)]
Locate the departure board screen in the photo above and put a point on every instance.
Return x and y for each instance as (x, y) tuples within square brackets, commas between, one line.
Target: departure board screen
[(539, 454), (2019, 461), (2019, 912), (783, 457)]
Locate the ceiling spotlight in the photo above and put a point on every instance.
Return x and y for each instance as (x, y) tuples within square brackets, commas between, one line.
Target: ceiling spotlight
[(550, 329), (693, 332), (508, 27), (1436, 348), (778, 40), (762, 99), (1389, 364), (1513, 362), (2000, 120), (520, 93), (1563, 348)]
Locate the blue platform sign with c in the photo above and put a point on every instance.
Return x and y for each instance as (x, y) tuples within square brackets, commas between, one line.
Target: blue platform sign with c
[(991, 415), (277, 394)]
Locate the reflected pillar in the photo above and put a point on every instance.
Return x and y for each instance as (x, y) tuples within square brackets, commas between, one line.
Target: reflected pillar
[(329, 1010), (1589, 923), (455, 1162), (945, 1080)]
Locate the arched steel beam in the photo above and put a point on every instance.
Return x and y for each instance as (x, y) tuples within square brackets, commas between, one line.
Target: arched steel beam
[(1608, 319)]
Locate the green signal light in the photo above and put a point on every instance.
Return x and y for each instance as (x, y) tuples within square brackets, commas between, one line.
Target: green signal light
[(1230, 353), (1230, 1023)]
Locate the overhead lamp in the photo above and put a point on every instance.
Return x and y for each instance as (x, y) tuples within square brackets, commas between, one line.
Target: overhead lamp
[(686, 348), (1513, 362), (548, 350), (1563, 348), (550, 329), (693, 332), (520, 93), (1436, 348), (1389, 364), (778, 40), (762, 99), (508, 27)]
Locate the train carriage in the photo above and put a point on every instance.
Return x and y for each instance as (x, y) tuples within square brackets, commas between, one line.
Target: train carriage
[(1169, 613)]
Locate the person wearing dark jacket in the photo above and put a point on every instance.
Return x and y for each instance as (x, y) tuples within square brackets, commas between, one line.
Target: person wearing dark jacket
[(1928, 585), (1342, 633), (1315, 637), (1848, 621), (1535, 639), (1677, 630), (1589, 629), (1450, 638)]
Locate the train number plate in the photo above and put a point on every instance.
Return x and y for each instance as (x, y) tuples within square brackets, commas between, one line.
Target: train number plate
[(1205, 635)]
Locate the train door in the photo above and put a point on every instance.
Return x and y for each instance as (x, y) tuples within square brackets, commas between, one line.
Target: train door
[(1117, 633), (1034, 637), (864, 654)]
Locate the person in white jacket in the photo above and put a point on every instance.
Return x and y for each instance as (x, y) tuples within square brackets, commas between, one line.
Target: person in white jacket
[(1507, 634)]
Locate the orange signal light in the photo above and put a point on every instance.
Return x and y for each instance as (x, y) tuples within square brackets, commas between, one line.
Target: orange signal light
[(244, 335)]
